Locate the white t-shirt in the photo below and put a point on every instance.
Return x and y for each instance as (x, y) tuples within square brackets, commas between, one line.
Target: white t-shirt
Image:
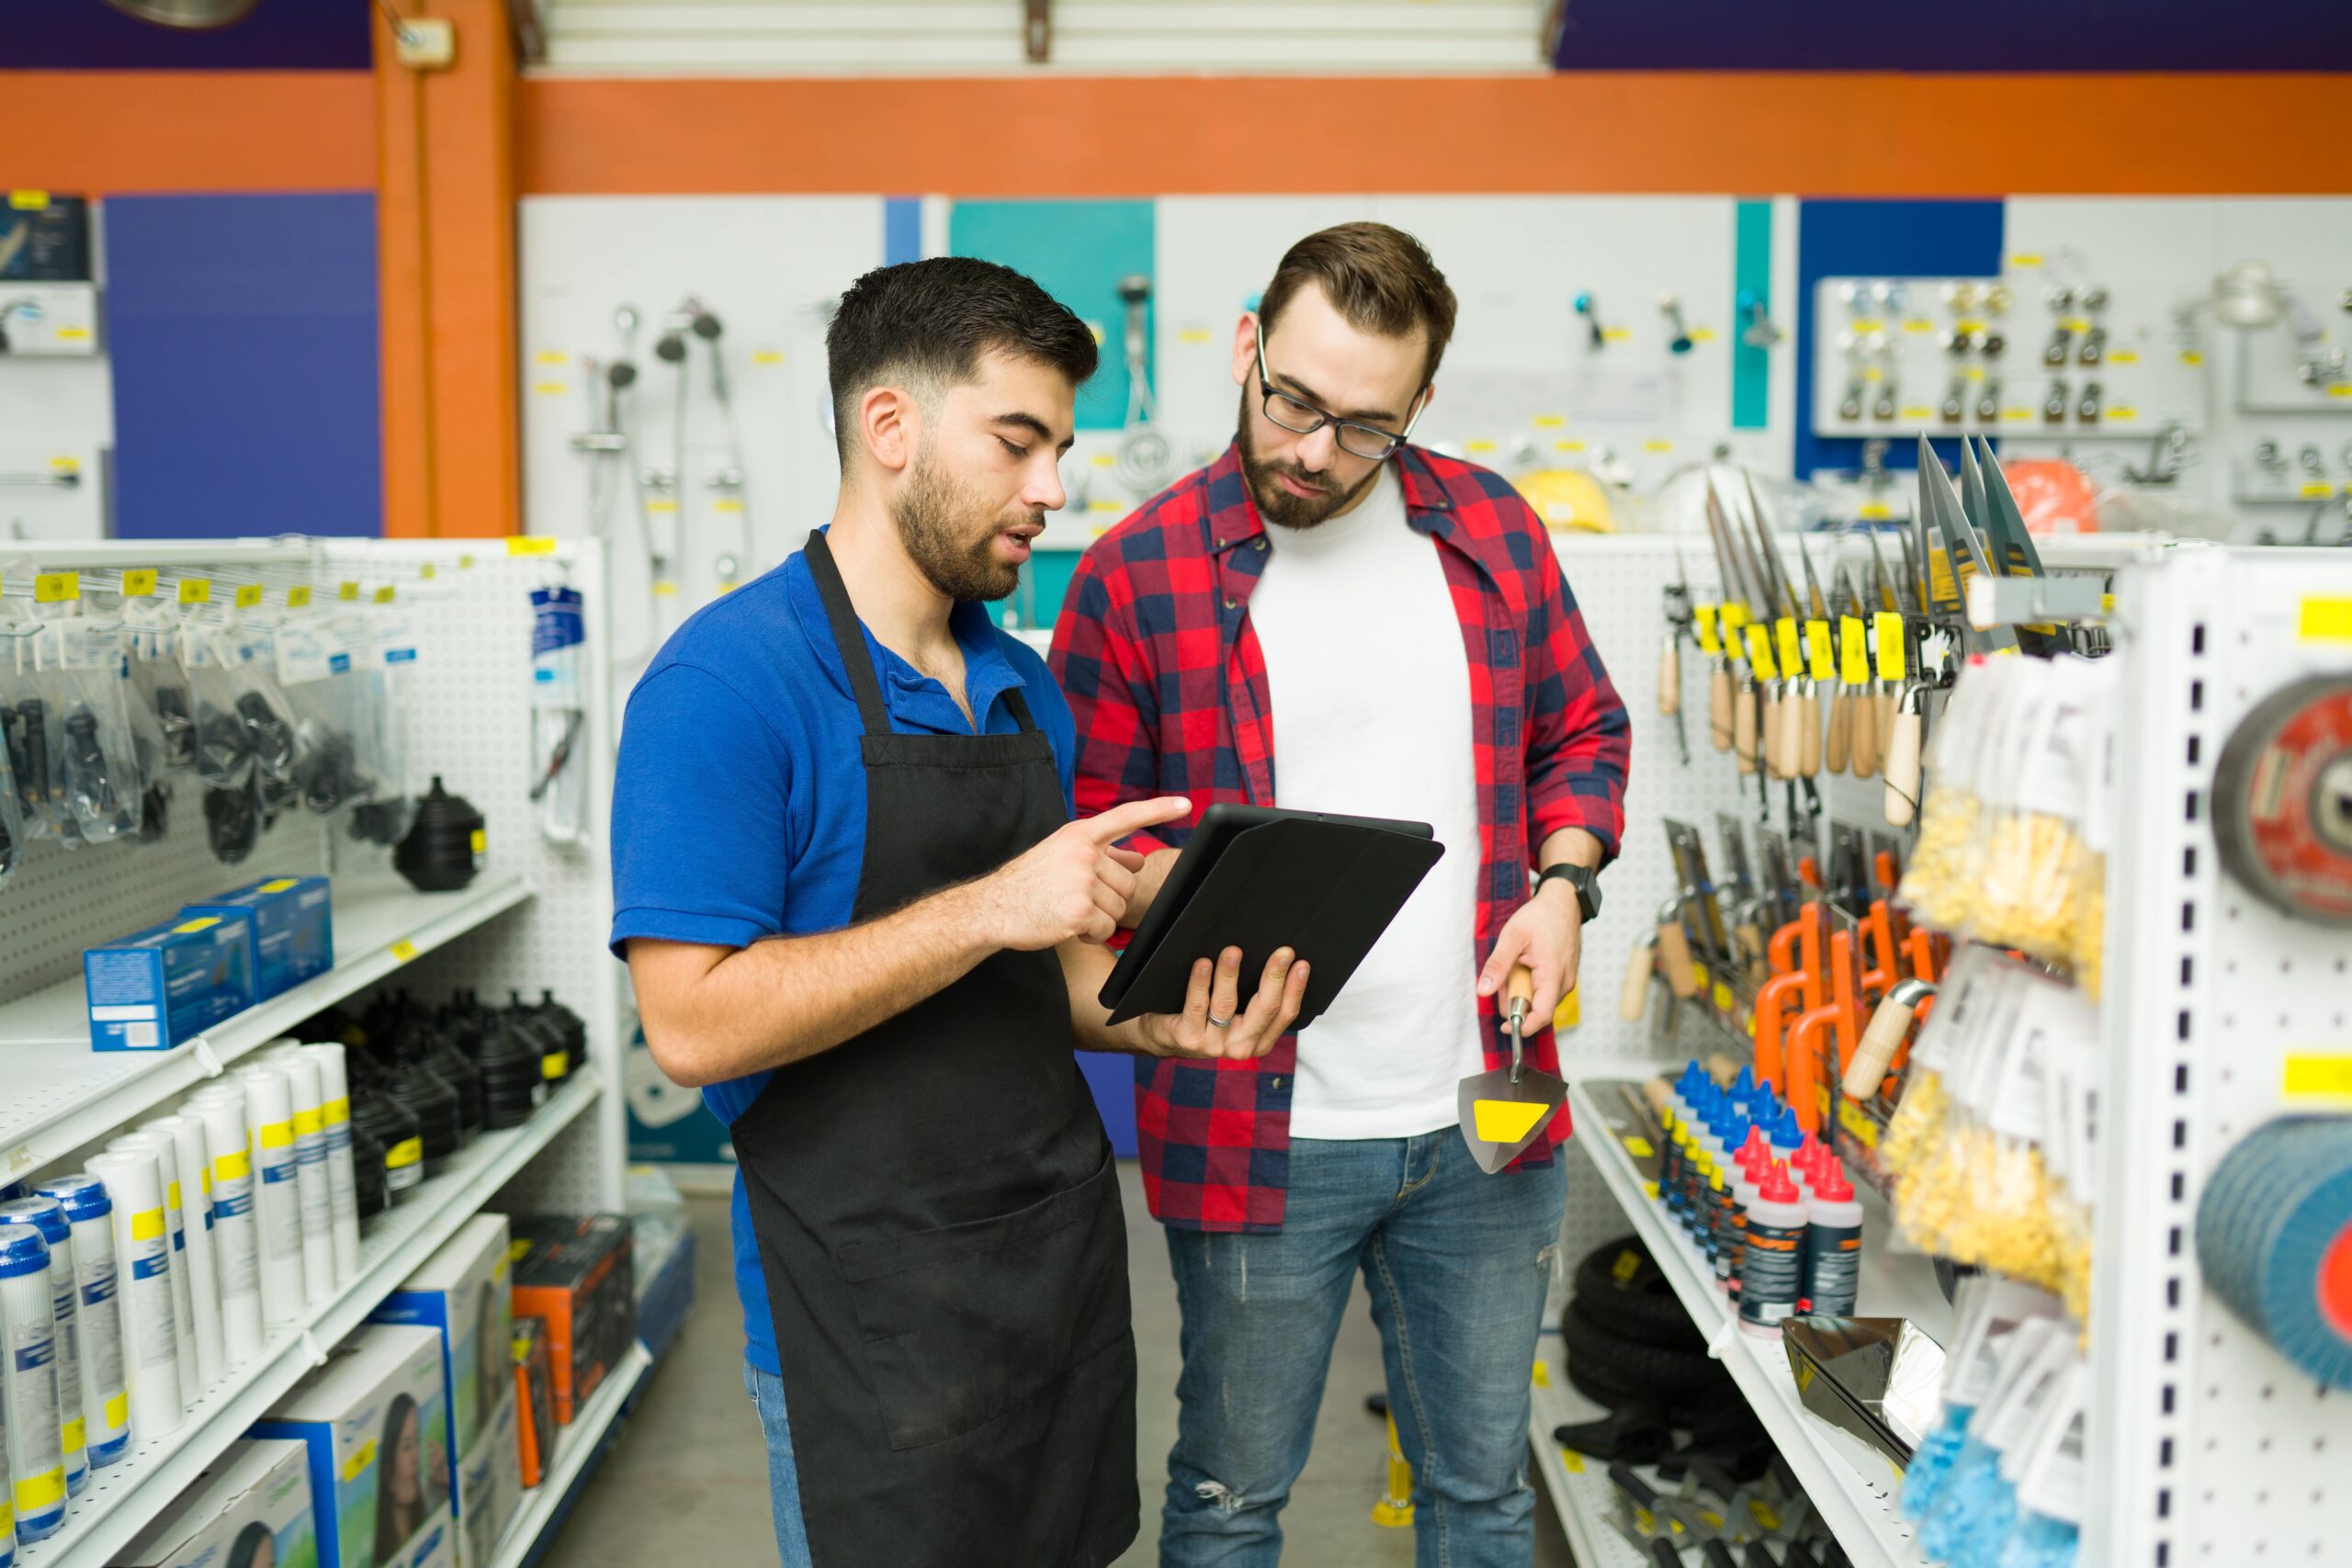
[(1370, 688)]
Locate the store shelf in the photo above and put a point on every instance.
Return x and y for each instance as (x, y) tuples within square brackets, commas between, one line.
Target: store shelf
[(578, 1446), (63, 1095), (1858, 1503), (122, 1497), (1578, 1487)]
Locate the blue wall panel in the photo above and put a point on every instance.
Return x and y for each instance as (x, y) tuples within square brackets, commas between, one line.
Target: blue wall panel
[(280, 35), (243, 335), (1076, 251), (1892, 239)]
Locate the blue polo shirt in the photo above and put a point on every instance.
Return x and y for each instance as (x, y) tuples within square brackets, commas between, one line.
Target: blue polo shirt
[(738, 805)]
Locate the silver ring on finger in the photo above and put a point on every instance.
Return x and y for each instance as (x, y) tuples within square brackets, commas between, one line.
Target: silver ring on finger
[(1215, 1022)]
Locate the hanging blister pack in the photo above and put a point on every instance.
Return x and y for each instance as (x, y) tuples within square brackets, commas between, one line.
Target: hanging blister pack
[(315, 673), (161, 729), (94, 789), (558, 714), (2029, 895), (384, 654), (248, 652)]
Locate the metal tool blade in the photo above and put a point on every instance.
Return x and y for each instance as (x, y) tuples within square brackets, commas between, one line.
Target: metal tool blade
[(1726, 559), (1813, 583), (1888, 599), (2003, 504), (1972, 502), (1937, 499), (1784, 602), (1507, 1109)]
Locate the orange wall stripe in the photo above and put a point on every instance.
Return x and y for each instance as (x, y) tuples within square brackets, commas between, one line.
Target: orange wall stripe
[(1816, 134), (100, 131)]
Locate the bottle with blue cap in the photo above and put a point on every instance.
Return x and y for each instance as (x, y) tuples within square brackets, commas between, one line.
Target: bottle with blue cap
[(44, 1216), (28, 1384), (106, 1400)]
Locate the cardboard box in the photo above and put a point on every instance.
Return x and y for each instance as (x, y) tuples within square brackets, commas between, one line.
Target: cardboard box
[(461, 1293), (375, 1424), (249, 1508), (574, 1271), (293, 921), (164, 987), (45, 237)]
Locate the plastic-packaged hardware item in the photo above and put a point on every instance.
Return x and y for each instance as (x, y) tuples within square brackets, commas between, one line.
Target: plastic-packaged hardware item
[(277, 1200), (559, 714), (1990, 1311), (2043, 762), (165, 1152), (36, 1462), (12, 814), (73, 728), (2047, 1471), (2070, 1152), (1917, 1125), (143, 1262), (46, 1218), (236, 1264), (106, 1398), (1977, 1507), (1939, 881), (384, 659), (2086, 951), (160, 685)]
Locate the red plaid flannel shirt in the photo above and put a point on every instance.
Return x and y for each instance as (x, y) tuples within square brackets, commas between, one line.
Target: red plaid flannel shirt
[(1165, 676)]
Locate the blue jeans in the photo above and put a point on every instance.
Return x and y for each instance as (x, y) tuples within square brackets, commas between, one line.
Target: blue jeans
[(766, 1390), (1458, 1264)]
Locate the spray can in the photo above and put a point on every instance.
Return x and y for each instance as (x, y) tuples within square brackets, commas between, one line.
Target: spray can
[(142, 1266), (278, 1203), (105, 1399), (311, 1182), (235, 1265), (45, 1216), (166, 1154), (194, 1149), (1774, 1256), (29, 1383), (1833, 1243), (343, 1184)]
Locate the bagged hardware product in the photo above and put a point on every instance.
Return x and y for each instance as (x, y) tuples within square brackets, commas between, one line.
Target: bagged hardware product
[(1939, 882), (2037, 780)]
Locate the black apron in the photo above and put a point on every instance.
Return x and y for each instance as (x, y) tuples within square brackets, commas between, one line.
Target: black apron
[(937, 1213)]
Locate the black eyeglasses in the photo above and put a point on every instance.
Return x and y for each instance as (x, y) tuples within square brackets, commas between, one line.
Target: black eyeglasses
[(1302, 418)]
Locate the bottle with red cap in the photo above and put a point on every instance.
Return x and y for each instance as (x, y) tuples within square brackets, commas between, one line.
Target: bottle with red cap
[(1833, 1241), (1771, 1277)]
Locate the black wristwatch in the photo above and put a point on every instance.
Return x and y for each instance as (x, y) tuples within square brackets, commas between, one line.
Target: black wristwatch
[(1585, 881)]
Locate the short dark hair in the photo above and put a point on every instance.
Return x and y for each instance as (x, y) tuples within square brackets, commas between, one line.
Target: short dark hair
[(1380, 279), (933, 320)]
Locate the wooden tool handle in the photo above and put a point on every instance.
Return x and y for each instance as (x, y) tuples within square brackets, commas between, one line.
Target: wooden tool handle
[(1669, 677), (1903, 770), (1887, 1027), (1660, 1097), (1808, 727), (1839, 753), (1638, 971), (1743, 728), (1768, 733), (1719, 692), (1721, 1068), (1866, 735), (1674, 960), (1886, 707), (1519, 987)]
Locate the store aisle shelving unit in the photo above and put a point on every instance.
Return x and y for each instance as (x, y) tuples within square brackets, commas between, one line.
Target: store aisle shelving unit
[(535, 916)]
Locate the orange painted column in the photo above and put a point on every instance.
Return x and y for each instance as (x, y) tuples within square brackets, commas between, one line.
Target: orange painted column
[(444, 218)]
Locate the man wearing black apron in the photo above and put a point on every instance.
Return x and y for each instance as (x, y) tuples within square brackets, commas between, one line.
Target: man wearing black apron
[(856, 912)]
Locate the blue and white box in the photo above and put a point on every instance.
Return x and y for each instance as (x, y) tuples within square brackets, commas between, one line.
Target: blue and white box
[(293, 929), (375, 1430), (249, 1506), (162, 987)]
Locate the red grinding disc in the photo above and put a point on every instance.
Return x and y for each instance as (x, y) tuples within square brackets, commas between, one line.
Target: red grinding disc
[(2282, 800)]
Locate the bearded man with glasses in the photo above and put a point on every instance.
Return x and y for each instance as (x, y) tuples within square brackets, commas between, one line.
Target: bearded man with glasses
[(1400, 621)]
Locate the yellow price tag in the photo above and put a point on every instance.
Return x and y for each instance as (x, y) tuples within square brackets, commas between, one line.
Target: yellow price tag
[(1759, 654), (2325, 620), (2327, 1078), (139, 583), (1874, 511), (403, 950), (427, 572), (1890, 644), (1723, 997), (386, 594), (767, 356), (479, 840), (348, 591), (1550, 421), (1853, 651), (1788, 658), (552, 356), (1704, 616), (665, 587), (1639, 1148), (196, 591), (298, 596), (1658, 446), (28, 200), (56, 587), (1817, 642), (1850, 1117), (248, 596), (727, 504), (542, 545)]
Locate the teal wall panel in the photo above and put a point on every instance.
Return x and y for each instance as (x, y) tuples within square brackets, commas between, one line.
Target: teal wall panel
[(1078, 251), (1751, 368)]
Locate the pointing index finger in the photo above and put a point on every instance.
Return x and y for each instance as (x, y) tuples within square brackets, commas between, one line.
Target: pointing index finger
[(1121, 820)]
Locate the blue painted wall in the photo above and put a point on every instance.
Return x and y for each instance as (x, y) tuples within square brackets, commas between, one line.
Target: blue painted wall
[(279, 35), (243, 335), (1892, 239)]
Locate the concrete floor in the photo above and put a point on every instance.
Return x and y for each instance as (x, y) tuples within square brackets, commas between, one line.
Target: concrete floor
[(687, 1481)]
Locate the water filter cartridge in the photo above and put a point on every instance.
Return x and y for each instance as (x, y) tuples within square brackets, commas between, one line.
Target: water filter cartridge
[(142, 1265), (343, 1183), (278, 1203), (195, 1152), (235, 1264), (310, 1183), (106, 1398), (28, 1384), (45, 1216), (167, 1168)]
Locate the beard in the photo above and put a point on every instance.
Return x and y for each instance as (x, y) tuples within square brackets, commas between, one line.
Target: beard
[(951, 536), (1276, 504)]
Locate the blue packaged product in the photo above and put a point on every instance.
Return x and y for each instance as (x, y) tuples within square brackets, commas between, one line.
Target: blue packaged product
[(162, 987), (293, 923)]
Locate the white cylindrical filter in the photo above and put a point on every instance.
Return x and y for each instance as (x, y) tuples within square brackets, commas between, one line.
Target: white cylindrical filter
[(143, 1264), (46, 1216), (29, 1384), (187, 1133), (311, 1182), (106, 1397), (235, 1264), (167, 1168), (343, 1183), (277, 1202)]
